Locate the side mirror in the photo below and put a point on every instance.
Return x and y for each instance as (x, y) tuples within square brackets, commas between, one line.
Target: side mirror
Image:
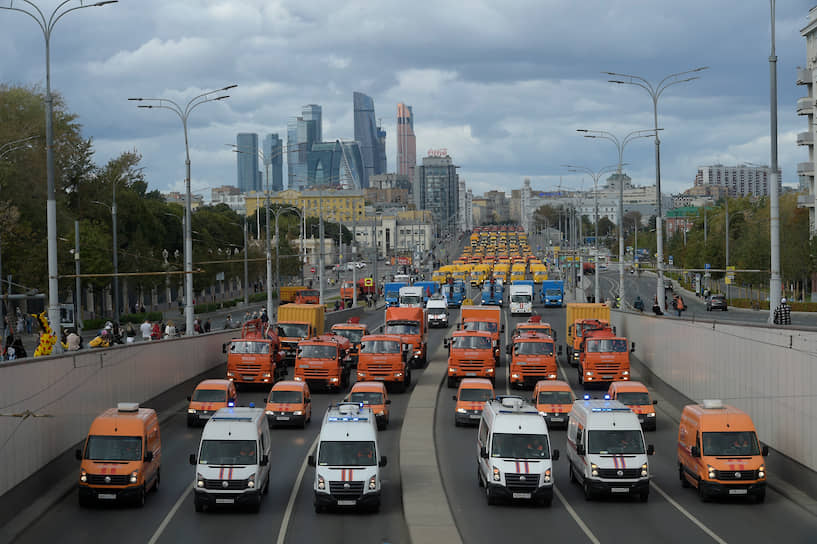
[(193, 459), (383, 461), (264, 460), (223, 348), (502, 329), (307, 401), (654, 402), (310, 460), (483, 452), (446, 342), (508, 349), (188, 397), (650, 449), (632, 347), (695, 451), (559, 349), (453, 397), (148, 456), (555, 455), (388, 401), (764, 451), (580, 449), (78, 454)]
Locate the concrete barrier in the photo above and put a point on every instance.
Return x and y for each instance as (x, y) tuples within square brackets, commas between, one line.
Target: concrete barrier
[(50, 402), (771, 373)]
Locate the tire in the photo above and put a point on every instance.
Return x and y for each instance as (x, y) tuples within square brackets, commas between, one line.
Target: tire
[(256, 506), (546, 503), (490, 499), (319, 509), (140, 498), (588, 493), (375, 508), (452, 383), (684, 481), (199, 506), (701, 493), (572, 474), (760, 497), (644, 496), (581, 376), (479, 478), (158, 480), (457, 422), (266, 485)]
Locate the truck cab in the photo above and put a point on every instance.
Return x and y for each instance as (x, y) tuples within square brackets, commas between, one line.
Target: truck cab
[(492, 293), (297, 322), (485, 319), (384, 358), (391, 292), (322, 361), (577, 332), (308, 296), (470, 355), (533, 358), (535, 324), (347, 293), (605, 357), (255, 357), (437, 312), (521, 299), (552, 293), (353, 330), (454, 293), (411, 296), (410, 325)]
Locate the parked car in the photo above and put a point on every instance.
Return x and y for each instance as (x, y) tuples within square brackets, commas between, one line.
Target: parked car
[(668, 284), (716, 302)]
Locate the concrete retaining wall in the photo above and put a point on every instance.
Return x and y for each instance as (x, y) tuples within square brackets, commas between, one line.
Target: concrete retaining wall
[(771, 373)]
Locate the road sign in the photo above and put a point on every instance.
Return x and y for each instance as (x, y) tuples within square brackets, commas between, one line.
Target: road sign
[(368, 282), (707, 266), (313, 269), (730, 275), (670, 260)]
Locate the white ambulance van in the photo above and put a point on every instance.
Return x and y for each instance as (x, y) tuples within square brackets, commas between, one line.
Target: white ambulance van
[(605, 447), (347, 459), (411, 297), (521, 299), (514, 460), (232, 465)]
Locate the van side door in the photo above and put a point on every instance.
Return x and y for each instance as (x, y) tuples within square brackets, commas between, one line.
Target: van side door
[(482, 444)]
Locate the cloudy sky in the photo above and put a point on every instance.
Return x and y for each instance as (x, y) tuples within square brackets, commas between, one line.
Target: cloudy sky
[(503, 85)]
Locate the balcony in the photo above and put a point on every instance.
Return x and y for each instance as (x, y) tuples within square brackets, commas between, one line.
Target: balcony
[(804, 76), (805, 138), (805, 168), (805, 105)]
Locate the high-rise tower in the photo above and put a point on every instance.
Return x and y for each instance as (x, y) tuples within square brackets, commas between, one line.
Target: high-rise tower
[(247, 162), (406, 142), (370, 136)]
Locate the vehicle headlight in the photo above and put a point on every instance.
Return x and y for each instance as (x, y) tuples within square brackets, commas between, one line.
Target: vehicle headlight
[(588, 373), (651, 414), (625, 373), (373, 482), (547, 476), (361, 374), (298, 379), (83, 476), (452, 370), (199, 480), (552, 376), (594, 469), (497, 475), (191, 411), (134, 476), (490, 371), (761, 472), (514, 375), (321, 483), (380, 413), (543, 414), (229, 374), (270, 413), (251, 481), (266, 375), (711, 471), (298, 413), (334, 379), (462, 411), (398, 374), (644, 470)]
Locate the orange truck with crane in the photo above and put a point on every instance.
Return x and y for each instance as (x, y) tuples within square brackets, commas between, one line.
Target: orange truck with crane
[(470, 355), (323, 360), (410, 325), (256, 356), (604, 357), (384, 358), (533, 358)]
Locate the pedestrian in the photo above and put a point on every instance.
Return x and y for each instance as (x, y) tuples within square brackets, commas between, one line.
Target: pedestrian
[(170, 329), (130, 333), (197, 327), (656, 308), (19, 349), (678, 304), (73, 341), (337, 305), (145, 329), (264, 316), (228, 323), (156, 331), (782, 314), (207, 325)]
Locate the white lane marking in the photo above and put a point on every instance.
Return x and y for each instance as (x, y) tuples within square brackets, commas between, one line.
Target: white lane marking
[(282, 531), (585, 529), (169, 516), (685, 512)]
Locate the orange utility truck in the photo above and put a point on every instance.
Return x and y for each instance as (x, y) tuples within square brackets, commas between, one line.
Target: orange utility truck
[(410, 325), (323, 361), (485, 319), (470, 355), (579, 311), (256, 357), (298, 322), (353, 330), (605, 357), (533, 358), (384, 358)]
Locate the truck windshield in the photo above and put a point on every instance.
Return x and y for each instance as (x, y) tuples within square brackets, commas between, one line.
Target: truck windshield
[(227, 452), (555, 397), (411, 299), (520, 446), (615, 442), (352, 335), (553, 293), (471, 342), (247, 347), (736, 443), (288, 397), (309, 293), (486, 326), (366, 397), (114, 448), (533, 348), (347, 453), (521, 298), (475, 395), (606, 346), (634, 398), (317, 352), (402, 328), (380, 346), (209, 395), (293, 329)]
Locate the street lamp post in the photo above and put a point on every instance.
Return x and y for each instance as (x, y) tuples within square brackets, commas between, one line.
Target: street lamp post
[(115, 256), (184, 114), (655, 92), (47, 24), (775, 281), (620, 145), (278, 212)]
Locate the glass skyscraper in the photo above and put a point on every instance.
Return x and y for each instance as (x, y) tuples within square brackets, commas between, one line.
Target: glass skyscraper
[(273, 147), (406, 141), (372, 139), (302, 133), (247, 163), (437, 190), (335, 164)]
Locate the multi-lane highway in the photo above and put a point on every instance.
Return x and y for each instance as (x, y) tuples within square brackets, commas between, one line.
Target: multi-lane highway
[(673, 514)]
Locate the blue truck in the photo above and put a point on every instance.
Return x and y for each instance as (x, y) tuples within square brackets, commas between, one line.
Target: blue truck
[(429, 288), (553, 292), (454, 293), (492, 294), (391, 292)]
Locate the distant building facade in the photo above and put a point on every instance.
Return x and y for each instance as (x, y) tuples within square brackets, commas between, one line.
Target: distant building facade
[(273, 147), (246, 160), (437, 190), (335, 164), (740, 180), (368, 134), (406, 141), (302, 132)]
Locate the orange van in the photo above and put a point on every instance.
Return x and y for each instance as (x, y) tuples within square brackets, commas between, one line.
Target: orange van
[(553, 399), (374, 395), (121, 457), (289, 402), (470, 398), (207, 397), (635, 396), (719, 453)]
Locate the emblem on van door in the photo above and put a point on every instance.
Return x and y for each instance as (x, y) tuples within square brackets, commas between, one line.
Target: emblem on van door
[(620, 473), (737, 475), (346, 486), (107, 479), (225, 484), (521, 478)]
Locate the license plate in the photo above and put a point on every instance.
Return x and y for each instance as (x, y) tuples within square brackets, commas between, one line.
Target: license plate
[(557, 419), (282, 418), (225, 501), (380, 378), (204, 416), (107, 496), (475, 416), (607, 377), (346, 503), (620, 490), (248, 378), (738, 491), (521, 495), (470, 373)]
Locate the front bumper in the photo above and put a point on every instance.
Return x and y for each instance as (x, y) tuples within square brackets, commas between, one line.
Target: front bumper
[(438, 323), (556, 420), (228, 499), (367, 499), (544, 492), (285, 418), (614, 488), (108, 494), (470, 417), (738, 489), (647, 423)]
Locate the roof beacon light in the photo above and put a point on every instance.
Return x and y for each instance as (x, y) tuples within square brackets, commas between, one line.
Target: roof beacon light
[(606, 397), (586, 396)]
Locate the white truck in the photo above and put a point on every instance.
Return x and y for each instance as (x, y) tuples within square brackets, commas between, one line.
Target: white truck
[(437, 312), (347, 459), (410, 297), (521, 299)]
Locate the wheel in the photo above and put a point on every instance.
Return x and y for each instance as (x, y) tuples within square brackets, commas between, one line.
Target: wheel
[(581, 377), (761, 496), (266, 485), (644, 496), (701, 493), (199, 505), (303, 423), (158, 480), (140, 498), (588, 493), (457, 422), (546, 503), (190, 422), (318, 509), (375, 508), (572, 474), (452, 383), (684, 481), (255, 506), (488, 497), (479, 478)]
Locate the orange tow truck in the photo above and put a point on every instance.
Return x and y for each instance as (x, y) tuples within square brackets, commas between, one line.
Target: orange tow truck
[(353, 330), (604, 357), (535, 323), (410, 324), (383, 357), (533, 358), (323, 361), (470, 355), (256, 357), (485, 319)]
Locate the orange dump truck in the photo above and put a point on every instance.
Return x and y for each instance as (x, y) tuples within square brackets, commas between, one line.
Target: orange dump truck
[(410, 325), (347, 293), (256, 356), (353, 330), (533, 358), (486, 319), (383, 359), (289, 292), (298, 322), (576, 312), (605, 357), (322, 361), (470, 355)]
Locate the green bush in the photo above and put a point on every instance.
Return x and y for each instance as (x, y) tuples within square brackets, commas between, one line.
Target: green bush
[(139, 318), (89, 324), (749, 303)]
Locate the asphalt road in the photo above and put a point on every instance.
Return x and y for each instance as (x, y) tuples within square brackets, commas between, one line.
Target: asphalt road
[(169, 517), (673, 514)]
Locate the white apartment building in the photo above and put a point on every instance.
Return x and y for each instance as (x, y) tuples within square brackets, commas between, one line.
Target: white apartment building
[(806, 106), (740, 180)]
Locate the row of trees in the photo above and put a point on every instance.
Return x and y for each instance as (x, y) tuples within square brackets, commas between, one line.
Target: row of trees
[(150, 230)]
